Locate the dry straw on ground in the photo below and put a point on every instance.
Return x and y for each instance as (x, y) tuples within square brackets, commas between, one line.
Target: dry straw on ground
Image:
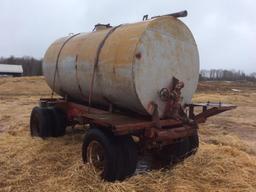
[(226, 160)]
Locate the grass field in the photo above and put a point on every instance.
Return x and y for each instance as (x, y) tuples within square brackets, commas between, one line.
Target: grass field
[(226, 160)]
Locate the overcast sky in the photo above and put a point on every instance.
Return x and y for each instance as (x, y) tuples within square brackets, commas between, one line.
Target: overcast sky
[(225, 30)]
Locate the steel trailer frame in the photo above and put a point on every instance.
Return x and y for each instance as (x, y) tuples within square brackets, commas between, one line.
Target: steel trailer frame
[(110, 144), (170, 129)]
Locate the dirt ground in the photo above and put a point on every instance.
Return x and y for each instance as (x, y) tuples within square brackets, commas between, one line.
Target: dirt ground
[(226, 160)]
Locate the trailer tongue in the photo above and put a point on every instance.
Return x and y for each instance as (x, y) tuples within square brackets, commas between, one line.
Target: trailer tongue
[(170, 129)]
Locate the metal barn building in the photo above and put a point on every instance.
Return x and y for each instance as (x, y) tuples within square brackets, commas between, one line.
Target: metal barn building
[(11, 70)]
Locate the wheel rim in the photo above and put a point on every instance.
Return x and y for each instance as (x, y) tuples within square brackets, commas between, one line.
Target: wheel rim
[(95, 156)]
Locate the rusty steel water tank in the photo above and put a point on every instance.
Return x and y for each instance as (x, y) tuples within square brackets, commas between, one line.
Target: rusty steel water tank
[(131, 63)]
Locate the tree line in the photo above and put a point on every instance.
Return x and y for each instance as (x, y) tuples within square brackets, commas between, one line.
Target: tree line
[(226, 75), (33, 67), (30, 65)]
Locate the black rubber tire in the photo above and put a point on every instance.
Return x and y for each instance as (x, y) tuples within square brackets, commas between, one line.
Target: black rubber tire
[(177, 152), (110, 152), (40, 122), (171, 154), (182, 149), (59, 122), (128, 157), (163, 157), (194, 143)]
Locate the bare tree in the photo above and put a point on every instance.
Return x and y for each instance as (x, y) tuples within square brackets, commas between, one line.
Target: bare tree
[(226, 75)]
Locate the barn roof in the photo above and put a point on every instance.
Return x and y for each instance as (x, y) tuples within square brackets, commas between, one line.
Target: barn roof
[(7, 68)]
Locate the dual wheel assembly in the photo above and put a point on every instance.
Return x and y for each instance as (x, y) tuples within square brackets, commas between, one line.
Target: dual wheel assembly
[(111, 157), (47, 122)]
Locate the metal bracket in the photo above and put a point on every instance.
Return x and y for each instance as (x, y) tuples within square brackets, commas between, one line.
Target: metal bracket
[(145, 17)]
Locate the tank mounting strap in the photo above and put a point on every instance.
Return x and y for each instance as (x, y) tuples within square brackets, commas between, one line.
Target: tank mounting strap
[(96, 61), (57, 61)]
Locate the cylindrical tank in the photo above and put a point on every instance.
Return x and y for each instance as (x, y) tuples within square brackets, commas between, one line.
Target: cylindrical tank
[(135, 62)]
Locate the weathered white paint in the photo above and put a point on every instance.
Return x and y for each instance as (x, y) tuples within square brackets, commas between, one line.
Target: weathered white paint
[(168, 50)]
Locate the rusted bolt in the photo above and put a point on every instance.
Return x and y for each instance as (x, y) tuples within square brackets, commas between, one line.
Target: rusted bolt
[(138, 55)]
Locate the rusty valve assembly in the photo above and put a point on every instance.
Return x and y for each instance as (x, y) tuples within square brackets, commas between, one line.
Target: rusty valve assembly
[(172, 97)]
